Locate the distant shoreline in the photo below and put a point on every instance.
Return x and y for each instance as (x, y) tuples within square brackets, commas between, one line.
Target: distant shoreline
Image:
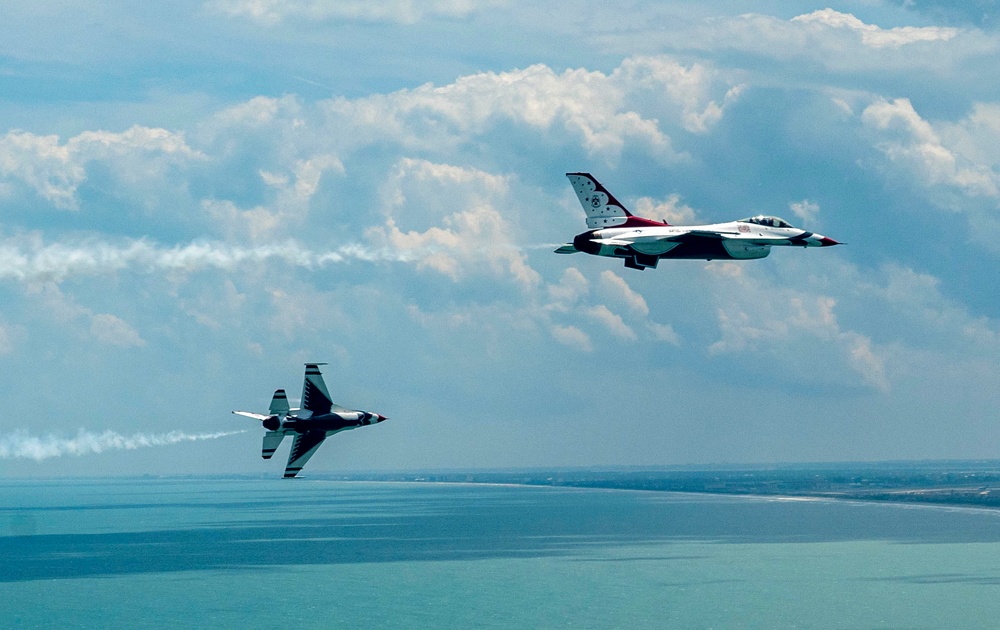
[(957, 485), (967, 484)]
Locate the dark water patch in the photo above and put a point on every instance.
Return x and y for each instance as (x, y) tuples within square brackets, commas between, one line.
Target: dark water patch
[(942, 578), (639, 559), (333, 523), (234, 548)]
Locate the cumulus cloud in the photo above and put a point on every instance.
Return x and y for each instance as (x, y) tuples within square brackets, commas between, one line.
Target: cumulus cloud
[(572, 336), (304, 179), (43, 164), (866, 361), (839, 41), (602, 112), (55, 171), (287, 210), (789, 325), (871, 35), (472, 235), (688, 88), (664, 333), (925, 318), (104, 328), (432, 189), (571, 299), (976, 139), (255, 224), (805, 210), (671, 210), (617, 288), (256, 113), (571, 288), (115, 331), (910, 141), (259, 170), (831, 333), (612, 321)]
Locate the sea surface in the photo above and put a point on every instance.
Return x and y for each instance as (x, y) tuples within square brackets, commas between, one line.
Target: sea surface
[(211, 553)]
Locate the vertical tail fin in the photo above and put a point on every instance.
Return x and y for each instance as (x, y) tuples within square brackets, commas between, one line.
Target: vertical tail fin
[(602, 209), (315, 396)]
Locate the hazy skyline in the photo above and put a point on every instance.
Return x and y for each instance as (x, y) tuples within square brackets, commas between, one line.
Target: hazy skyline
[(196, 199)]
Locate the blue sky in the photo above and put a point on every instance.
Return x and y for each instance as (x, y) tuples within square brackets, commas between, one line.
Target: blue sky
[(197, 198)]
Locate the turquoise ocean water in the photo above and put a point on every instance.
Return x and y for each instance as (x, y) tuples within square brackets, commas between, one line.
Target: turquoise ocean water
[(202, 553)]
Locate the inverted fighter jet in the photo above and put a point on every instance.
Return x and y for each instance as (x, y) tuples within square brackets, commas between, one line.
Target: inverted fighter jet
[(616, 232), (318, 419)]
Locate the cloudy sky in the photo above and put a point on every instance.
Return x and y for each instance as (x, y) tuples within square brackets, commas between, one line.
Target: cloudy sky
[(197, 197)]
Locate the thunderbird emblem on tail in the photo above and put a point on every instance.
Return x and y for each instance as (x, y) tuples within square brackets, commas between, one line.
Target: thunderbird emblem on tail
[(615, 232), (318, 419)]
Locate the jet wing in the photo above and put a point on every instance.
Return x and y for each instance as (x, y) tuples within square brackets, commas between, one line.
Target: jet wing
[(756, 240), (690, 235), (694, 235), (303, 447), (760, 240), (707, 234), (568, 248)]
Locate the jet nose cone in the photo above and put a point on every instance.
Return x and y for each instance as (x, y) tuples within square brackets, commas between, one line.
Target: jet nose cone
[(380, 418), (828, 242)]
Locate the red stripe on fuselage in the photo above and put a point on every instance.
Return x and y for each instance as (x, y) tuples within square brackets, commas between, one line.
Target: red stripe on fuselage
[(634, 221)]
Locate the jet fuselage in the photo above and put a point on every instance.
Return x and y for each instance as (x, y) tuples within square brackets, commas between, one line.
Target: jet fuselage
[(329, 422), (736, 240)]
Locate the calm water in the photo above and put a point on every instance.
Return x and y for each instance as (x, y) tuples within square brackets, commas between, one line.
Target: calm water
[(322, 554)]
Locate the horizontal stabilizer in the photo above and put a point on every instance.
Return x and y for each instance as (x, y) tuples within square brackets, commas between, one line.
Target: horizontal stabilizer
[(611, 242), (568, 248), (249, 414), (272, 439), (279, 404)]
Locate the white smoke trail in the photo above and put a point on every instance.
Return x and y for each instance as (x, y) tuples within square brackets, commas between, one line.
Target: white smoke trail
[(23, 446), (36, 261)]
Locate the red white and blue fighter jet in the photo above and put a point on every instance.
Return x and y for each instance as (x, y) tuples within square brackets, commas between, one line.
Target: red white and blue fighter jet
[(616, 232), (318, 419)]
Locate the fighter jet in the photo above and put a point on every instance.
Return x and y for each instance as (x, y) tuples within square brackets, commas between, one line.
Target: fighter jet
[(616, 232), (318, 419)]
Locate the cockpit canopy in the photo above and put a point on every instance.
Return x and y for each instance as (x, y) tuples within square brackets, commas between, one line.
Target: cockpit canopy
[(769, 221)]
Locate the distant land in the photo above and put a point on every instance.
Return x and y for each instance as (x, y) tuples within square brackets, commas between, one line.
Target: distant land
[(967, 483)]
